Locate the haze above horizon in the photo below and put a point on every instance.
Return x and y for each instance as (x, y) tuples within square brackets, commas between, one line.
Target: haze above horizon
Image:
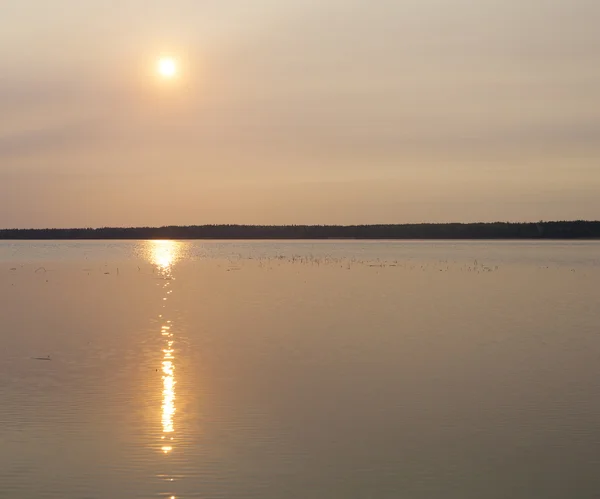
[(298, 112)]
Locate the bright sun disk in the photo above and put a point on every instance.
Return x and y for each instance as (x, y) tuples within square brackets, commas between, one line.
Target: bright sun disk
[(167, 67)]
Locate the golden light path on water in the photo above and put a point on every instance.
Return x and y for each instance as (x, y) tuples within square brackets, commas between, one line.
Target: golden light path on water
[(164, 254)]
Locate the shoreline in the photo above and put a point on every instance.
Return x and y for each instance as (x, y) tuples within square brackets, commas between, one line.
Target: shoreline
[(492, 231)]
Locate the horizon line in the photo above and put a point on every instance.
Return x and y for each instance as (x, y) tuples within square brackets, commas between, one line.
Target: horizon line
[(309, 225)]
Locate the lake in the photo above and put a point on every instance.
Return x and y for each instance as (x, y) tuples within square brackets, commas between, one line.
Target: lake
[(301, 370)]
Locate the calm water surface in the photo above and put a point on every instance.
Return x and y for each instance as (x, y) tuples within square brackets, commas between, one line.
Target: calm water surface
[(301, 370)]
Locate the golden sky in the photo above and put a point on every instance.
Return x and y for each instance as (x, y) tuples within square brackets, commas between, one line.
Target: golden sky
[(298, 111)]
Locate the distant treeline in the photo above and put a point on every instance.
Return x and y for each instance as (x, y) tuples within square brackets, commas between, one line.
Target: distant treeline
[(500, 230)]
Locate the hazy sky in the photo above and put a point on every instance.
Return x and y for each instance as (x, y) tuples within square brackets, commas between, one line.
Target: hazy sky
[(298, 111)]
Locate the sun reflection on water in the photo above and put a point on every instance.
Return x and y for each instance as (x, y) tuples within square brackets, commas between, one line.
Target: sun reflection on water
[(164, 254)]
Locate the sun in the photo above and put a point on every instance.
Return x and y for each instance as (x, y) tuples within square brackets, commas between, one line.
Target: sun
[(167, 67)]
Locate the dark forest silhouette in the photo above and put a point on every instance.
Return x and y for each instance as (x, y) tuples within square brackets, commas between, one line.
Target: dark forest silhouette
[(499, 230)]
